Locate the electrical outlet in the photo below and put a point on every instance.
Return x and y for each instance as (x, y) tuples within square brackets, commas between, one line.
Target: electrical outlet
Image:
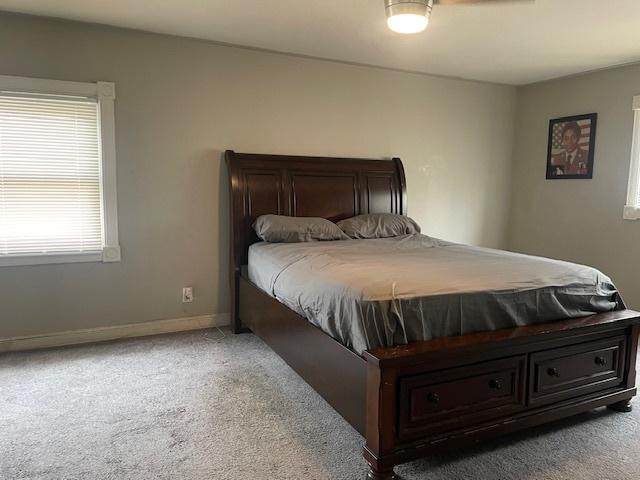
[(187, 295)]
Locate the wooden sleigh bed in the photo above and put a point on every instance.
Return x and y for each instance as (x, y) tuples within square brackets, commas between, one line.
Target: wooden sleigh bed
[(408, 401)]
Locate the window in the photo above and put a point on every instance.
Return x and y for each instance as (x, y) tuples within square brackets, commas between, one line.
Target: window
[(57, 172), (632, 208)]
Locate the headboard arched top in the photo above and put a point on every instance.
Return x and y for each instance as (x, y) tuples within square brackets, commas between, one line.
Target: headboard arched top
[(327, 187)]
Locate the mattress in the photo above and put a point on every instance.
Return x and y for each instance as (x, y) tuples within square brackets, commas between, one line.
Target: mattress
[(393, 291)]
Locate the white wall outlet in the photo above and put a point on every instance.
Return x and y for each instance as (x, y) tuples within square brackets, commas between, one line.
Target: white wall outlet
[(187, 295)]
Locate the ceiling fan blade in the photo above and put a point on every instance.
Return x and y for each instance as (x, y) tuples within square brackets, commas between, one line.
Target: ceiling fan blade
[(470, 2)]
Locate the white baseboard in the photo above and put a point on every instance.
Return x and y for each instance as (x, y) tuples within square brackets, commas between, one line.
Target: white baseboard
[(101, 334)]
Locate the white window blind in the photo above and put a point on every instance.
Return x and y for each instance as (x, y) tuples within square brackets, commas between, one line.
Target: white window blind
[(632, 208), (50, 175)]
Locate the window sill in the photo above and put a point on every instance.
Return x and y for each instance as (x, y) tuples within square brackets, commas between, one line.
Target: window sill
[(108, 255), (631, 213)]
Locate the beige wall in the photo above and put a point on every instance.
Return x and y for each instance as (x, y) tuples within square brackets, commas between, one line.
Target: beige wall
[(578, 220), (181, 102)]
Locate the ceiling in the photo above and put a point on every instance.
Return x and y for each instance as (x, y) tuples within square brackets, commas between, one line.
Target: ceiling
[(514, 43)]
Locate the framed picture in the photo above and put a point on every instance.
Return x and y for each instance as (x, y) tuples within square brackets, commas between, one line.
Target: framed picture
[(571, 146)]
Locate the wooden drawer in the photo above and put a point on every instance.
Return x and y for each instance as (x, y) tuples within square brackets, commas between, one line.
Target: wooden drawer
[(437, 401), (568, 372)]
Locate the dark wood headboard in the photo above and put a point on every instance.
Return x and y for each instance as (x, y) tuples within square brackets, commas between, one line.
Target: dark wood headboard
[(327, 187)]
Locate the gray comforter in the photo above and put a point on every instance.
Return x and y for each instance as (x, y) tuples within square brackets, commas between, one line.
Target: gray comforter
[(384, 292)]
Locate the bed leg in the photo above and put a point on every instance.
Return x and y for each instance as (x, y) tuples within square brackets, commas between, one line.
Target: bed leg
[(623, 406), (375, 474), (379, 450)]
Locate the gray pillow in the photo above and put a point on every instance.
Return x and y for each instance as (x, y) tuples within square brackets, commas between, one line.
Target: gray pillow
[(280, 228), (378, 225)]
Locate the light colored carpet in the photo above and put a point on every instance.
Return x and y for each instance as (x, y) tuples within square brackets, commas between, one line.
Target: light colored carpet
[(208, 405)]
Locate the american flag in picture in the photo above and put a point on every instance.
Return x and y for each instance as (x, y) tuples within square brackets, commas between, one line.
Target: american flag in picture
[(556, 139)]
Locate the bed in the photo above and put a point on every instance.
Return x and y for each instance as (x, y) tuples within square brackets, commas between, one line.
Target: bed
[(523, 340)]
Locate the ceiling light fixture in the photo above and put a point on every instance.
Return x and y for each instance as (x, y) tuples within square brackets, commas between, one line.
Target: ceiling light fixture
[(408, 16)]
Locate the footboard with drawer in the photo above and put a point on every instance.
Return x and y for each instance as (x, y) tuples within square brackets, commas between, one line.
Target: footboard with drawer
[(459, 390)]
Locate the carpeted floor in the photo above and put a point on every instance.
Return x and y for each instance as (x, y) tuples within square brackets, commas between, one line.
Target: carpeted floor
[(210, 405)]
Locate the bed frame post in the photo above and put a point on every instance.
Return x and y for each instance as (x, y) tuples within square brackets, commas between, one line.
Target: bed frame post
[(234, 238), (380, 426), (625, 405), (236, 324), (403, 185)]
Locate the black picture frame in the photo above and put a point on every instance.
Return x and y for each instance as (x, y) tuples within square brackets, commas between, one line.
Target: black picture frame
[(558, 167)]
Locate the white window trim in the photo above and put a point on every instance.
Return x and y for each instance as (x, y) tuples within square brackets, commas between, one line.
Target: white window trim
[(631, 210), (105, 94)]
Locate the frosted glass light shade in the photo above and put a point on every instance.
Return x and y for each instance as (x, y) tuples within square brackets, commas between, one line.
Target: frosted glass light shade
[(408, 16)]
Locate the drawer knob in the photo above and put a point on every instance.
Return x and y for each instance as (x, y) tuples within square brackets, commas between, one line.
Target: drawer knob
[(495, 384), (601, 361), (553, 372), (433, 398)]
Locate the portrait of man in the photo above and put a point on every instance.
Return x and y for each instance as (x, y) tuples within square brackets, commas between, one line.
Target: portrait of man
[(571, 147)]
